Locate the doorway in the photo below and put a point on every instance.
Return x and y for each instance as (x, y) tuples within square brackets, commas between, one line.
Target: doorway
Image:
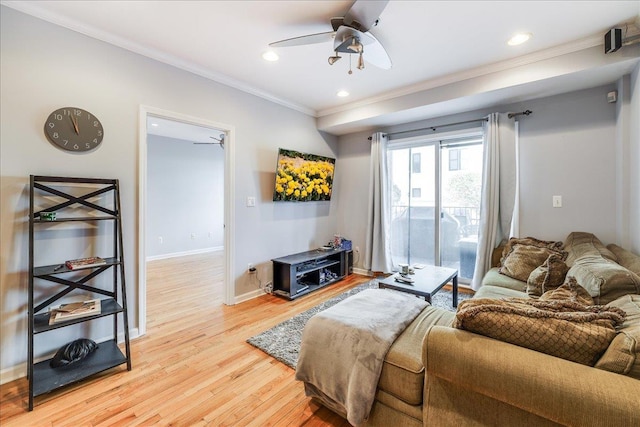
[(218, 134)]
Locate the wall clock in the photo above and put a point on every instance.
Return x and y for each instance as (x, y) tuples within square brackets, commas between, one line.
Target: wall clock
[(73, 129)]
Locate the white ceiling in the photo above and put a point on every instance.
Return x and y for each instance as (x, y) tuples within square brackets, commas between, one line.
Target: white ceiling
[(428, 41)]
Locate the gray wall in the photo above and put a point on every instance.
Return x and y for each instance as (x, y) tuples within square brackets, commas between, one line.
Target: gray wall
[(567, 147), (45, 67), (185, 196)]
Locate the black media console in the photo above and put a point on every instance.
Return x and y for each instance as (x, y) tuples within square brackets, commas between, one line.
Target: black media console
[(298, 274)]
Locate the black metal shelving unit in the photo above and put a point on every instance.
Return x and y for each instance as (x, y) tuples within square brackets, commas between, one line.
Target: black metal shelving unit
[(54, 192)]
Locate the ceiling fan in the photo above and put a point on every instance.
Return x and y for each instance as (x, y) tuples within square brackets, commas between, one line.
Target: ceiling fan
[(351, 35)]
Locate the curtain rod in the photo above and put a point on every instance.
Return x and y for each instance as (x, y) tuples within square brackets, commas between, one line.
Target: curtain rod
[(433, 128)]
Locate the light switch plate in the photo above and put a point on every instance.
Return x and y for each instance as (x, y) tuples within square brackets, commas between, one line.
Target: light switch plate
[(251, 201), (557, 201)]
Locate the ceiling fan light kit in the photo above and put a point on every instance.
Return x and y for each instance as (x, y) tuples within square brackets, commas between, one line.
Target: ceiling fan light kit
[(350, 35)]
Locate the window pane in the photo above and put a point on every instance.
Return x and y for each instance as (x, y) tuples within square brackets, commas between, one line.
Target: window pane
[(417, 163), (461, 189), (412, 205)]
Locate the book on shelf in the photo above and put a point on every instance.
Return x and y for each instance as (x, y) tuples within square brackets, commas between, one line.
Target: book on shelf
[(94, 261), (74, 310)]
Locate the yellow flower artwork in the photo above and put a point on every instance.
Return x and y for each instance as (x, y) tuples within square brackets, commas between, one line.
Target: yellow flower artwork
[(303, 177)]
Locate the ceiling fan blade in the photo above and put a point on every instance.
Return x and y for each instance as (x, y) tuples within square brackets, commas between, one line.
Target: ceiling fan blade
[(364, 14), (375, 54), (304, 40)]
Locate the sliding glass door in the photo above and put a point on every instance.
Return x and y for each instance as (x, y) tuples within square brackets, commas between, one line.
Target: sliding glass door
[(435, 200)]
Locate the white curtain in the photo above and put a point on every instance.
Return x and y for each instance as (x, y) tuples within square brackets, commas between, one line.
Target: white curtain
[(378, 250), (498, 190)]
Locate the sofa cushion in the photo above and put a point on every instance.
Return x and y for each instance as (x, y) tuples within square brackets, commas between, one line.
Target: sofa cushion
[(627, 259), (579, 244), (548, 276), (522, 259), (595, 268), (605, 280), (623, 354), (498, 292), (563, 329), (494, 278), (403, 371)]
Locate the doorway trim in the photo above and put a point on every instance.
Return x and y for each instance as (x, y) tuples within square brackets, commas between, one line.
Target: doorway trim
[(229, 195)]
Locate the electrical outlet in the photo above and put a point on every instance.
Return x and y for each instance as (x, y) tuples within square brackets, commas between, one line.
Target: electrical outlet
[(193, 235), (250, 266), (358, 249)]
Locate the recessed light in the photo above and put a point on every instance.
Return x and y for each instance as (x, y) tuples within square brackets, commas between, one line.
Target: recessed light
[(342, 93), (270, 56), (155, 125), (519, 39)]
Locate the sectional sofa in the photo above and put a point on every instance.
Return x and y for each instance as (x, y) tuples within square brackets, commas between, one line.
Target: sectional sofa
[(438, 375)]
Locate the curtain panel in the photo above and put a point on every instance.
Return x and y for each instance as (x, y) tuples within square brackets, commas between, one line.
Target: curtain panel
[(499, 190), (378, 247)]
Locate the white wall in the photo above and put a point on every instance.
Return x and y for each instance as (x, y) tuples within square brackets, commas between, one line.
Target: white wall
[(185, 197), (567, 147), (44, 67)]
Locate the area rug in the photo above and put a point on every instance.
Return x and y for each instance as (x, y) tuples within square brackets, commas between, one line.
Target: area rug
[(282, 342)]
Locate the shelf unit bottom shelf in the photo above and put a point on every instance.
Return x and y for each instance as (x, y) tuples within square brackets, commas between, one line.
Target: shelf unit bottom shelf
[(46, 379)]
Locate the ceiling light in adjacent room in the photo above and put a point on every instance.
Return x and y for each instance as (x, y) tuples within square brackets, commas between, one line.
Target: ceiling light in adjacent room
[(342, 93), (519, 39), (155, 125), (270, 56)]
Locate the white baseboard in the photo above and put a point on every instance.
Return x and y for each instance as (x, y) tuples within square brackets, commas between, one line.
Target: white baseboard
[(248, 296), (19, 371), (362, 272), (185, 253)]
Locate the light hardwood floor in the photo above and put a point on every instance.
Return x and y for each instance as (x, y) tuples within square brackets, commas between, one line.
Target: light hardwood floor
[(193, 367)]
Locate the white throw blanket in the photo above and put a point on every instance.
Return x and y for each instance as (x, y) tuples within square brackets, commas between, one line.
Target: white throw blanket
[(344, 346)]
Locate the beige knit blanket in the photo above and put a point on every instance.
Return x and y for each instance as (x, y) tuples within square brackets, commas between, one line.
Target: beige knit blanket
[(343, 348), (565, 329)]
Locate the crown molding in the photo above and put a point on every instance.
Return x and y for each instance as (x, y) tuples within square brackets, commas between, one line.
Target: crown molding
[(531, 58), (32, 9)]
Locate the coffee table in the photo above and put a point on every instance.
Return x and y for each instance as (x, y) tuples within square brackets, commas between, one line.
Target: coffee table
[(426, 282)]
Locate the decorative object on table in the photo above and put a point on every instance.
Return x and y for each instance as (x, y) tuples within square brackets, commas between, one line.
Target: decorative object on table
[(48, 216), (73, 129), (404, 268), (73, 352), (346, 244), (337, 241), (75, 264), (74, 310)]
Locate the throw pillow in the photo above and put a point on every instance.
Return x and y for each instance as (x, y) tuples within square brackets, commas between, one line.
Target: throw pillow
[(569, 291), (529, 241), (563, 329), (548, 276), (523, 259)]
